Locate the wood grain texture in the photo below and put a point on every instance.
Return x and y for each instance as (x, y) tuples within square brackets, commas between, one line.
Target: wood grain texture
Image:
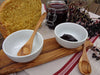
[(51, 51)]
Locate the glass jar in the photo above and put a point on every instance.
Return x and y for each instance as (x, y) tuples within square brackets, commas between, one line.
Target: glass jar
[(56, 13)]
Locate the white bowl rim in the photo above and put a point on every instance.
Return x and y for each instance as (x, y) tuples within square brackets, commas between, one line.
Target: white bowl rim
[(18, 32), (60, 25)]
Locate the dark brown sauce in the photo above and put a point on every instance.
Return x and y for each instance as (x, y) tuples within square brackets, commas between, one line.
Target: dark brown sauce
[(69, 38)]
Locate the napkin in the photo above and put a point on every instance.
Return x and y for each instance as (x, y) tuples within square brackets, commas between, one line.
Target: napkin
[(71, 64)]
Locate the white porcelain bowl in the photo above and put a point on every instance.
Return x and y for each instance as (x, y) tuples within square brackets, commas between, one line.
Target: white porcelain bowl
[(16, 40), (77, 31)]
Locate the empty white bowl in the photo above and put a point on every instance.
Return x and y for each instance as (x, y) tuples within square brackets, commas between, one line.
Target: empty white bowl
[(16, 40), (77, 31)]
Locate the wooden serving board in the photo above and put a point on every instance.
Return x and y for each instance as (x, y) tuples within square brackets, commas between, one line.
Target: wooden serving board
[(51, 51)]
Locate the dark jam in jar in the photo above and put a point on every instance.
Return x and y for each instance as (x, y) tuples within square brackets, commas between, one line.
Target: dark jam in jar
[(56, 13), (69, 38)]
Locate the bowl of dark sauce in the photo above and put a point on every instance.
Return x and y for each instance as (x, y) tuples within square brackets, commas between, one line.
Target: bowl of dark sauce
[(70, 35)]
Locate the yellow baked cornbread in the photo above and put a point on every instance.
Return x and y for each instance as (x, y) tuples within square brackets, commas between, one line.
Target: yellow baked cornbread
[(19, 14)]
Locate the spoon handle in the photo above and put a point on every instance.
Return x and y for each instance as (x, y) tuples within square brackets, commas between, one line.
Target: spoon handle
[(37, 26), (27, 48), (84, 55)]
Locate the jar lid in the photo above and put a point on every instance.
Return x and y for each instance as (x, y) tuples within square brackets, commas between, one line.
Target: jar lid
[(57, 5), (56, 1)]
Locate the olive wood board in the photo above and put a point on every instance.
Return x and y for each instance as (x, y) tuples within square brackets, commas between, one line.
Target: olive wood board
[(51, 51)]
